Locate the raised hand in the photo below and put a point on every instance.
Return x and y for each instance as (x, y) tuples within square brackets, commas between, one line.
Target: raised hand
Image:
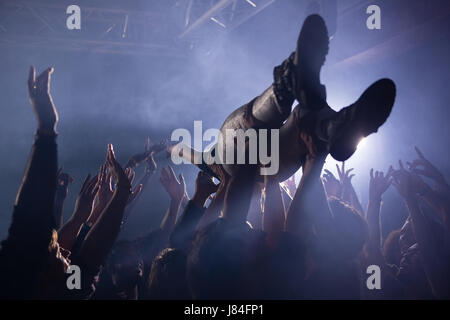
[(149, 150), (85, 199), (422, 166), (41, 100), (155, 148), (402, 181), (204, 187), (103, 234), (379, 183), (148, 145), (215, 208), (83, 208), (151, 164), (408, 183), (332, 185), (121, 179), (290, 185), (131, 174), (348, 192), (434, 263), (105, 189), (174, 187), (344, 176)]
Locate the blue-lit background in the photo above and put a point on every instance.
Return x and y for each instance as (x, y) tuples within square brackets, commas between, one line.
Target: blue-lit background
[(121, 97)]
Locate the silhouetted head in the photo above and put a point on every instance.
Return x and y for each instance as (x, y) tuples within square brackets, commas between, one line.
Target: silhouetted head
[(216, 260), (125, 265), (51, 280), (167, 278), (351, 228)]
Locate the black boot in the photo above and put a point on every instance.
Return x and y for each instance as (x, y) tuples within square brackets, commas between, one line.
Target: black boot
[(312, 49), (343, 130), (298, 77)]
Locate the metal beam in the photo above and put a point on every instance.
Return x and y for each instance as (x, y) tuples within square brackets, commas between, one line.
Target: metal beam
[(205, 17), (25, 23), (99, 46), (254, 12)]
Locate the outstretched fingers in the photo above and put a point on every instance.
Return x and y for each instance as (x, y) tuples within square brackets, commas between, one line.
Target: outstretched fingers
[(85, 184), (43, 80), (181, 177), (32, 81), (135, 193), (92, 187), (419, 153)]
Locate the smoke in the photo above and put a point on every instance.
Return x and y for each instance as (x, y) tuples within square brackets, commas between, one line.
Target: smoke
[(122, 99)]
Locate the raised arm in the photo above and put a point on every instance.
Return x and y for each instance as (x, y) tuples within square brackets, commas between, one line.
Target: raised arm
[(333, 187), (378, 185), (134, 194), (184, 230), (33, 217), (104, 194), (274, 215), (34, 206), (103, 234), (310, 205), (215, 208), (348, 192), (83, 207), (176, 190), (422, 166), (290, 186), (438, 199), (434, 263), (150, 169), (239, 194), (106, 189), (150, 150), (62, 189)]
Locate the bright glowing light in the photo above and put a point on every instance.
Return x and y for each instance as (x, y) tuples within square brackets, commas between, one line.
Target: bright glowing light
[(361, 143), (251, 3)]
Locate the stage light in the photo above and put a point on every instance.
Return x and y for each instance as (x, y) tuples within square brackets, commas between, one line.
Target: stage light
[(361, 143), (251, 3)]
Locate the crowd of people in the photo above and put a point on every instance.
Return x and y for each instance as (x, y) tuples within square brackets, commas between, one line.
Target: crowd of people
[(240, 238)]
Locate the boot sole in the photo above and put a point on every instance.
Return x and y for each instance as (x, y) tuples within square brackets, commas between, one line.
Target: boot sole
[(372, 110), (312, 49)]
